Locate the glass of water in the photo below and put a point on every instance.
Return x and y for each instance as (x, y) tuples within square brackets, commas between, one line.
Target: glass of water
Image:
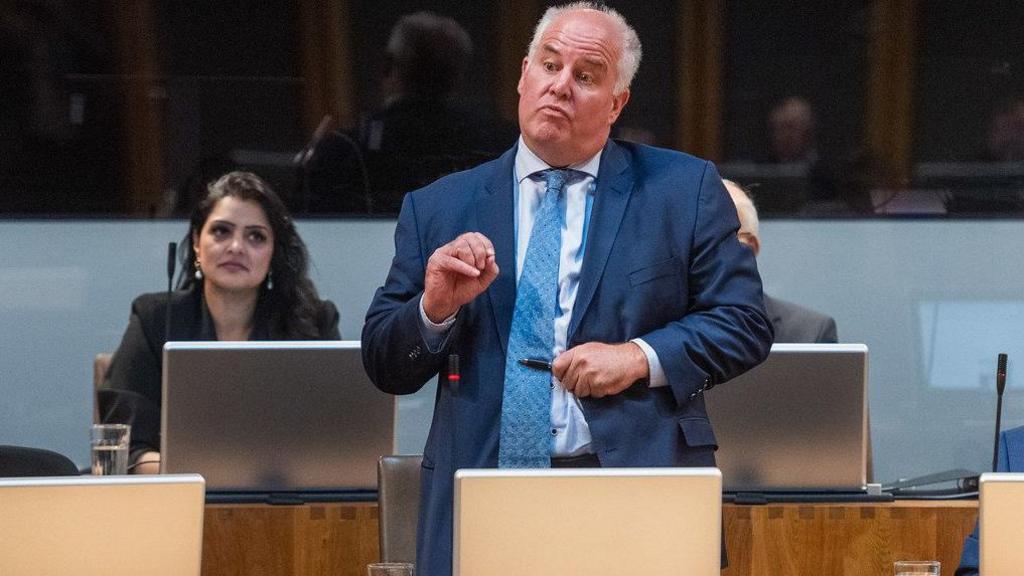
[(110, 448), (390, 569), (916, 568)]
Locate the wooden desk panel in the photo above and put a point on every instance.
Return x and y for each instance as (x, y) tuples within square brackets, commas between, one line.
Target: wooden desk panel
[(337, 539), (844, 539), (777, 540)]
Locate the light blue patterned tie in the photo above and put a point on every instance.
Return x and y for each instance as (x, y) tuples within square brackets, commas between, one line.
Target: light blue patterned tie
[(525, 440)]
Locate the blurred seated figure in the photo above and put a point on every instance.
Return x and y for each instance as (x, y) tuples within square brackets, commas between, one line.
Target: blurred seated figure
[(792, 322), (992, 184), (1011, 459), (424, 129), (1005, 141), (798, 176), (791, 132), (244, 277)]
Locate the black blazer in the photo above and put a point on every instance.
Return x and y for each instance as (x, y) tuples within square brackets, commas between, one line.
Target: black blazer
[(131, 392), (794, 323)]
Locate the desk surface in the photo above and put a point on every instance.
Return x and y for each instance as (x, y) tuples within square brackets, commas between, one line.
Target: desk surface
[(339, 539)]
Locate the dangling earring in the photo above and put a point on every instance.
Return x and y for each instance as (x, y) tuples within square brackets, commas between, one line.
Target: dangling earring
[(270, 280), (199, 271)]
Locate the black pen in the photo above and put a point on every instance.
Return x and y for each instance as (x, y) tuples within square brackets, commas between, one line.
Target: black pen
[(536, 364)]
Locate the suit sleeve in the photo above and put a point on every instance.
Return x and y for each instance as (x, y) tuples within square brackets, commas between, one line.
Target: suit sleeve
[(970, 556), (395, 355), (131, 392), (725, 330)]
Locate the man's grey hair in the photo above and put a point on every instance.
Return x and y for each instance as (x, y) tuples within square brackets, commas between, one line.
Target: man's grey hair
[(629, 56)]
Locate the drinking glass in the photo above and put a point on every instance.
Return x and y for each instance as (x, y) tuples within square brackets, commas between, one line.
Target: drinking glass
[(110, 448), (916, 568), (390, 569)]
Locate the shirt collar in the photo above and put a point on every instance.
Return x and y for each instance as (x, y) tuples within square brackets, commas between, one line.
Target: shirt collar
[(528, 163)]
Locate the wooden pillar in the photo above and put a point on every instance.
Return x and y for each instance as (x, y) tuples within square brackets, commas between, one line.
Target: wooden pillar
[(890, 111), (515, 23), (142, 157), (325, 30), (699, 99)]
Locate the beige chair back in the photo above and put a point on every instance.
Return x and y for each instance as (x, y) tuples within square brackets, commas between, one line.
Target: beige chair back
[(398, 495)]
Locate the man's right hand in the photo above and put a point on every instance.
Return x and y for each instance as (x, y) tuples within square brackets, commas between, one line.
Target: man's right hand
[(457, 273)]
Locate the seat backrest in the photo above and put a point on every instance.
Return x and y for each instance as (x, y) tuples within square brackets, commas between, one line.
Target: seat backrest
[(18, 461), (398, 495), (100, 365)]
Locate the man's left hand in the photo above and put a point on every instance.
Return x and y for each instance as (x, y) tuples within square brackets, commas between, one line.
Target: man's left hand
[(596, 369)]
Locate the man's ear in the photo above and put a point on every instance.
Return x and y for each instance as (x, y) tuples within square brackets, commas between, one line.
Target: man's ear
[(755, 244), (522, 75), (618, 103)]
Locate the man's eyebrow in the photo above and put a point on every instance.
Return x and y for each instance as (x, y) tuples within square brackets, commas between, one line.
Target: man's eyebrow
[(549, 47)]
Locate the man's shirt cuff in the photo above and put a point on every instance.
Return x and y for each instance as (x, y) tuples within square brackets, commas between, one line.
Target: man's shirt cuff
[(433, 333), (656, 375)]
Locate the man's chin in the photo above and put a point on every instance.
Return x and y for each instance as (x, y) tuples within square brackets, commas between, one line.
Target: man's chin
[(547, 138)]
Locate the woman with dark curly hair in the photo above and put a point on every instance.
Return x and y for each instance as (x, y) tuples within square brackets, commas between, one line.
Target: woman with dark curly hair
[(245, 277)]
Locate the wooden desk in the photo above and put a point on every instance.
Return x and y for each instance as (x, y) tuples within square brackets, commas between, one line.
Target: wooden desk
[(337, 539), (844, 539), (776, 540)]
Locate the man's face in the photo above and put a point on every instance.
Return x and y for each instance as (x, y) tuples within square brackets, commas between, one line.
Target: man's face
[(566, 100), (792, 131)]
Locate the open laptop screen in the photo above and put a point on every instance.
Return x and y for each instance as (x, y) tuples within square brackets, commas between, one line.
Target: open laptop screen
[(273, 416), (798, 422), (101, 526), (598, 522), (1001, 524)]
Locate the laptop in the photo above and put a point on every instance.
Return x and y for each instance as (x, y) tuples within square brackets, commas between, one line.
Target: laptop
[(798, 422), (598, 522), (101, 526), (274, 417), (1001, 524)]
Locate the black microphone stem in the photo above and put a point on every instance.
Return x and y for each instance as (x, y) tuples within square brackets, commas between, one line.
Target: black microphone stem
[(1000, 387), (303, 158), (999, 413), (172, 252), (454, 383)]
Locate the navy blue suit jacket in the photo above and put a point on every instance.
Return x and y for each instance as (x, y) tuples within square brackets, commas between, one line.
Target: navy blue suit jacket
[(662, 262), (1011, 459)]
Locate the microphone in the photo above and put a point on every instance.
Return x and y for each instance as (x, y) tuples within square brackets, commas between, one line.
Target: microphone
[(454, 378), (305, 155), (453, 373), (172, 252), (1000, 388)]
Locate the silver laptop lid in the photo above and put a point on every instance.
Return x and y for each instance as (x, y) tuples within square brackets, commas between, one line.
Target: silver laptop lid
[(273, 416), (797, 422), (598, 522), (1001, 524), (102, 526)]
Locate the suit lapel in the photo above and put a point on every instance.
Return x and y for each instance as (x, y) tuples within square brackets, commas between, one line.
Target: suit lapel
[(614, 186), (495, 214)]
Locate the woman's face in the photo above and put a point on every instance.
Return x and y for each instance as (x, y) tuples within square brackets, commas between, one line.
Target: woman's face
[(235, 246)]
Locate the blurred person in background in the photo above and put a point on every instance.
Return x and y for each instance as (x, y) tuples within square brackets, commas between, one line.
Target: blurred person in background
[(792, 322)]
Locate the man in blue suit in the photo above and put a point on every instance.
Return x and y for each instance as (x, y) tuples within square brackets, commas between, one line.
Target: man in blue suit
[(616, 262), (1011, 459)]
